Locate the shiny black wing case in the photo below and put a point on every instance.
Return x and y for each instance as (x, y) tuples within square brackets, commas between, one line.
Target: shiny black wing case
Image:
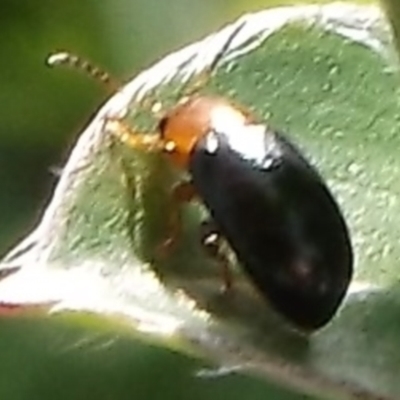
[(281, 220)]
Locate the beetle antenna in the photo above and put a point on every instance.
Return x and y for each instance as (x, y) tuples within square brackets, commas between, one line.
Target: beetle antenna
[(74, 61)]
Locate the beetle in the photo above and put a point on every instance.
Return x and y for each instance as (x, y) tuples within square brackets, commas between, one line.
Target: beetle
[(264, 198), (268, 202)]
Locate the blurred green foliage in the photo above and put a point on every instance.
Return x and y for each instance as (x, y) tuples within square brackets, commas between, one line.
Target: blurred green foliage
[(50, 358), (42, 111)]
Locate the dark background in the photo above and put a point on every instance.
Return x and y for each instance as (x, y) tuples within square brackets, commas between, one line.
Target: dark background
[(42, 110)]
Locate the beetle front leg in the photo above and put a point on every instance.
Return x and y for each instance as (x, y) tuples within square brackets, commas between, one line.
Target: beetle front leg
[(212, 243), (182, 193), (147, 142)]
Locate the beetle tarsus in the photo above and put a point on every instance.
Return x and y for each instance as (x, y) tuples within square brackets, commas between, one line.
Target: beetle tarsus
[(212, 243)]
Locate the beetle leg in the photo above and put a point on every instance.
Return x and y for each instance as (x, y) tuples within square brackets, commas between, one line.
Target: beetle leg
[(182, 193), (120, 129), (212, 242)]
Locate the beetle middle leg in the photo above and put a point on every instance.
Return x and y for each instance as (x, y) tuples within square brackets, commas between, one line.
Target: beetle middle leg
[(182, 193), (213, 244)]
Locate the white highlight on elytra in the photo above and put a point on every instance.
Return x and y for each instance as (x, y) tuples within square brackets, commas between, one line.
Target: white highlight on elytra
[(251, 141), (211, 143)]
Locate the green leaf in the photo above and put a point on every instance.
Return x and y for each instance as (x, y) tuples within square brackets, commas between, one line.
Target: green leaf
[(325, 74)]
